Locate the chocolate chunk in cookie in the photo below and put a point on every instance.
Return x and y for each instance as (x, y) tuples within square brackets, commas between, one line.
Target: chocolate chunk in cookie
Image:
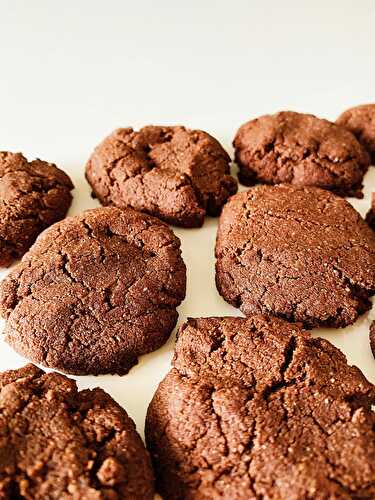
[(302, 254), (257, 409), (303, 150), (361, 122), (59, 443), (173, 173), (33, 195), (95, 292)]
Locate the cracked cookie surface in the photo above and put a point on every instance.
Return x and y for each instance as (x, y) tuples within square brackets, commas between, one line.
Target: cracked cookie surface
[(302, 254), (300, 149), (95, 292), (360, 120), (33, 195), (176, 174), (61, 443), (257, 409)]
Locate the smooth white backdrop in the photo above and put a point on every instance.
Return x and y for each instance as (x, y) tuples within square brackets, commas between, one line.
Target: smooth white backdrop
[(72, 71)]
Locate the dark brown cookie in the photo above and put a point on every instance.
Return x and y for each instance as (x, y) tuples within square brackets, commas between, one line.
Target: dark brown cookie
[(361, 122), (176, 174), (300, 149), (258, 409), (95, 292), (58, 443), (33, 195), (302, 254)]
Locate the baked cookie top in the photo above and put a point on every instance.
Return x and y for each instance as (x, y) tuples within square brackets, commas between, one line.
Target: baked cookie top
[(255, 409), (95, 292), (173, 173), (59, 443), (360, 120), (300, 149), (33, 195), (302, 254)]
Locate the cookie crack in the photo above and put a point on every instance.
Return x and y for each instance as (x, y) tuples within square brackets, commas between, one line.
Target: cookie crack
[(287, 363), (358, 291), (218, 422)]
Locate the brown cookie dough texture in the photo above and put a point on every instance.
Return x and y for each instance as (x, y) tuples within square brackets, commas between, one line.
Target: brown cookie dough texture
[(258, 409), (302, 254), (173, 173), (300, 149), (95, 292), (59, 443), (361, 122), (33, 195)]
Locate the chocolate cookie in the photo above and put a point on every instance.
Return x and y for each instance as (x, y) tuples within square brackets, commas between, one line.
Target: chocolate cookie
[(33, 195), (59, 443), (361, 122), (300, 149), (176, 174), (95, 292), (302, 254), (258, 409)]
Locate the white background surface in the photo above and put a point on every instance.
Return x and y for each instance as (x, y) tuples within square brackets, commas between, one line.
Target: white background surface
[(72, 71)]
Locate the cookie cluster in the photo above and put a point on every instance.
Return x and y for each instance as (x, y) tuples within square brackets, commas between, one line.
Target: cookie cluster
[(254, 407)]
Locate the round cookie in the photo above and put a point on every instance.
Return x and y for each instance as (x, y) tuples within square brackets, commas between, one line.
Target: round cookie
[(300, 149), (258, 409), (59, 443), (173, 173), (360, 120), (33, 195), (95, 292), (302, 254)]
